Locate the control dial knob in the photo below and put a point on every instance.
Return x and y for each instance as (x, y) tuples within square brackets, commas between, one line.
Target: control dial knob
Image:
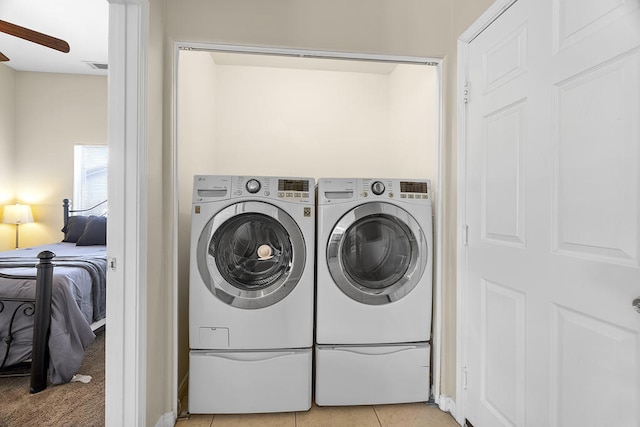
[(253, 186), (377, 188)]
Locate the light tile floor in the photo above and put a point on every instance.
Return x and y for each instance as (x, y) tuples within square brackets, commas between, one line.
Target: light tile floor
[(403, 415)]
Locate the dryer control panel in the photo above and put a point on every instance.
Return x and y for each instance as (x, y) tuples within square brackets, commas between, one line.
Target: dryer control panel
[(336, 190)]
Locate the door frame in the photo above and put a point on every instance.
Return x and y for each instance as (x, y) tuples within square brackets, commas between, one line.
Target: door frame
[(463, 94), (436, 190), (125, 354)]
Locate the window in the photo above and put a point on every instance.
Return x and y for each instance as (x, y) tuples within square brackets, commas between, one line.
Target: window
[(90, 178)]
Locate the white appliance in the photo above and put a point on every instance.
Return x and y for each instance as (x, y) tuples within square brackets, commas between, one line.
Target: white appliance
[(374, 291), (251, 289)]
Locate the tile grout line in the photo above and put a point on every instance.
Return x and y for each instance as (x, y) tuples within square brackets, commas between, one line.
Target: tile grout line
[(377, 417)]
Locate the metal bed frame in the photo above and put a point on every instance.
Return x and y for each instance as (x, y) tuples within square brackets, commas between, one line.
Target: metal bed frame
[(40, 309)]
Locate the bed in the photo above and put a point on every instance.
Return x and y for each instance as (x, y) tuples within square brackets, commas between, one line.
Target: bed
[(77, 295)]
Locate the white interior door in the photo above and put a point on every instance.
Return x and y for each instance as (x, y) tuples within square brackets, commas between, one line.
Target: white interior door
[(552, 204)]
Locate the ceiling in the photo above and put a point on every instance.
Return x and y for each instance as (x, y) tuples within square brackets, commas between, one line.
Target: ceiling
[(84, 24)]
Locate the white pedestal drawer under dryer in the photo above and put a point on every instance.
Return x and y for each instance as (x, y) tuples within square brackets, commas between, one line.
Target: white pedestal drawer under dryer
[(374, 291), (251, 289)]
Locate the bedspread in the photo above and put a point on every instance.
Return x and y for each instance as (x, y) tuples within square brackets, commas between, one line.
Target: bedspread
[(78, 298)]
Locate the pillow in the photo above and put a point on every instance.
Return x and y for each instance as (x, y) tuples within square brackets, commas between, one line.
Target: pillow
[(74, 228), (95, 232)]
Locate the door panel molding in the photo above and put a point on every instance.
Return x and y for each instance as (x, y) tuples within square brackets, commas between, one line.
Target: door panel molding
[(503, 180), (583, 343), (503, 310), (612, 232)]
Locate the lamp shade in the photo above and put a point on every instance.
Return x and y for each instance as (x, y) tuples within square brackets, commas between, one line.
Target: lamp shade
[(17, 214)]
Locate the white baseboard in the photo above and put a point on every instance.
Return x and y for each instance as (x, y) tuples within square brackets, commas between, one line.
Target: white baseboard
[(166, 420), (447, 404)]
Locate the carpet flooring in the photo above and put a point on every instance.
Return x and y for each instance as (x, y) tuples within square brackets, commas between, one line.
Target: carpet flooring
[(72, 404)]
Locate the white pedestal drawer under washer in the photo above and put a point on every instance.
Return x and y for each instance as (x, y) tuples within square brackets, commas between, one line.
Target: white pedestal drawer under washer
[(374, 291), (251, 288)]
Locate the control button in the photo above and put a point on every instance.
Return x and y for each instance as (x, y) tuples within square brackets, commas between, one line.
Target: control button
[(296, 194), (391, 194), (403, 196), (289, 194), (305, 195), (365, 194), (280, 194), (377, 188), (411, 196), (267, 193), (253, 186)]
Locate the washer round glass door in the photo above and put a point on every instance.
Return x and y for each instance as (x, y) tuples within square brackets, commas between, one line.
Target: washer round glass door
[(377, 253), (251, 255)]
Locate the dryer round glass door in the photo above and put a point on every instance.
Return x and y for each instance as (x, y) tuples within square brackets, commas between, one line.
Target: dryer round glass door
[(251, 255), (377, 253)]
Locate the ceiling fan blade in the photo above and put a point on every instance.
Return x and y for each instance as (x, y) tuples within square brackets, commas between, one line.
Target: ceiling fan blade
[(3, 58), (34, 36)]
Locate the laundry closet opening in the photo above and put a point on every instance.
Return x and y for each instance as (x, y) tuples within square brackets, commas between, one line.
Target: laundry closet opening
[(248, 113)]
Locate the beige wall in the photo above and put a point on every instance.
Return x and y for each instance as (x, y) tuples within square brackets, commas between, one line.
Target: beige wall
[(51, 113), (7, 149), (298, 122), (413, 127), (196, 155), (426, 28), (158, 306), (403, 27)]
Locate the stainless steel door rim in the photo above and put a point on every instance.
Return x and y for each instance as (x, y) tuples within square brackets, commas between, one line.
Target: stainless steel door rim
[(265, 244), (377, 253)]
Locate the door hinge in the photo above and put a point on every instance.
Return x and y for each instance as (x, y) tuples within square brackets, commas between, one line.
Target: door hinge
[(465, 235), (465, 93), (112, 264), (465, 378)]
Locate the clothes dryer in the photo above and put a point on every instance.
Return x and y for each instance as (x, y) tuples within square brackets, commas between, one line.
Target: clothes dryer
[(374, 291), (251, 288)]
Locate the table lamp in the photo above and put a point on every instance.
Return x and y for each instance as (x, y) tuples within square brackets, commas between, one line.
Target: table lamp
[(17, 214)]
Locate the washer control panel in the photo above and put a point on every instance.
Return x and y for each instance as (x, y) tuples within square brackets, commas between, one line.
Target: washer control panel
[(287, 189), (214, 187)]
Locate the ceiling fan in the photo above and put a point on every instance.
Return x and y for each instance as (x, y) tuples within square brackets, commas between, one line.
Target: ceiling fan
[(32, 36)]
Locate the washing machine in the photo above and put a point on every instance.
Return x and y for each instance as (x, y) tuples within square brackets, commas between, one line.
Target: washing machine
[(251, 294), (374, 291)]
